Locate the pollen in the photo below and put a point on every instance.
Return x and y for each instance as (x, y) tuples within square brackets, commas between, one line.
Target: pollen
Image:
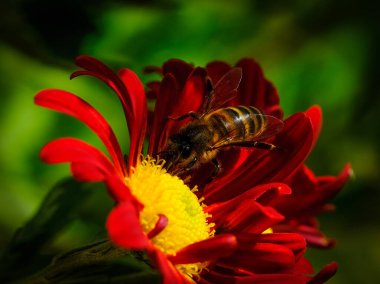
[(164, 194)]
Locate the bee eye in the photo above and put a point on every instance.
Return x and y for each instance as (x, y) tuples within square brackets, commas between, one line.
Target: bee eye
[(186, 151)]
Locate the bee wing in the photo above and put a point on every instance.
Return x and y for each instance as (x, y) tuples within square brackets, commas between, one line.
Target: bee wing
[(223, 91), (272, 126)]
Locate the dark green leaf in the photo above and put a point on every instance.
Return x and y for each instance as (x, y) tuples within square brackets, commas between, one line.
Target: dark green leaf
[(57, 210)]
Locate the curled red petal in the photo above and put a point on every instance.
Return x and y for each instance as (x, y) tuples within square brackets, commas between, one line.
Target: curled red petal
[(72, 105), (94, 67), (131, 94), (207, 250), (325, 274), (123, 226), (159, 227)]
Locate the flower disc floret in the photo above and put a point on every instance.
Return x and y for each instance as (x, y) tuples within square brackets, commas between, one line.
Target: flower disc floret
[(164, 194)]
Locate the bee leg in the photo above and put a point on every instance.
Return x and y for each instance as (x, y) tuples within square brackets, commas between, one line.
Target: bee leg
[(192, 163), (264, 146), (191, 114), (255, 144), (216, 170)]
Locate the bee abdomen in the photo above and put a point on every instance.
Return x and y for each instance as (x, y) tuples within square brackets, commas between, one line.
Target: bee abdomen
[(256, 120), (239, 122)]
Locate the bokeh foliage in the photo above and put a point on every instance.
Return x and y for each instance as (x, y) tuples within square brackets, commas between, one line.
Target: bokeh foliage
[(315, 52)]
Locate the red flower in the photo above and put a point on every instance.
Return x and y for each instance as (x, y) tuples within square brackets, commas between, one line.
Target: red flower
[(235, 236), (244, 169)]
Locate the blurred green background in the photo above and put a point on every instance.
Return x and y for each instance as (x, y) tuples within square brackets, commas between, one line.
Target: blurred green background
[(315, 52)]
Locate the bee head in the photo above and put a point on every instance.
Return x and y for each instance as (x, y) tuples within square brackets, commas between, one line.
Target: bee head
[(179, 153)]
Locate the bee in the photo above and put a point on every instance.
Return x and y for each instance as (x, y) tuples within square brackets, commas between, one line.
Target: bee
[(216, 127)]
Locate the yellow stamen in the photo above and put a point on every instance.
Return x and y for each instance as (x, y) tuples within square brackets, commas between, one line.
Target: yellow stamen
[(268, 231), (162, 193)]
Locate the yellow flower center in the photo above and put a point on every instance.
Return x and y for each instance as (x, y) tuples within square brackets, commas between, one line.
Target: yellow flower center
[(162, 193)]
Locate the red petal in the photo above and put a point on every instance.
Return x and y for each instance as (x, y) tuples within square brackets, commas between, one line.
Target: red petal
[(169, 273), (315, 238), (325, 274), (170, 103), (278, 278), (315, 115), (137, 126), (310, 194), (252, 86), (246, 216), (131, 94), (260, 166), (260, 192), (179, 69), (255, 90), (207, 250), (71, 150), (303, 180), (87, 164), (311, 233), (72, 105), (295, 242), (167, 94), (189, 100), (120, 192), (86, 171), (154, 88), (216, 70), (260, 258), (304, 267), (124, 229), (94, 67), (272, 98)]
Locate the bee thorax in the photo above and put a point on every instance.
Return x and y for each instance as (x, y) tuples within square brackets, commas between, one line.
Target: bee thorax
[(208, 156)]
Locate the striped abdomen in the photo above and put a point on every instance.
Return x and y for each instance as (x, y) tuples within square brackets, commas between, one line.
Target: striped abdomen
[(235, 124)]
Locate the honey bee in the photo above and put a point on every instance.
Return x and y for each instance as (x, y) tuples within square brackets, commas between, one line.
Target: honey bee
[(216, 127)]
